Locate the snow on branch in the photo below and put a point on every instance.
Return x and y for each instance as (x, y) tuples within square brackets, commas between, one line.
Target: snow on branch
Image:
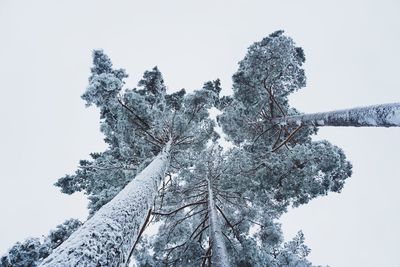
[(385, 115)]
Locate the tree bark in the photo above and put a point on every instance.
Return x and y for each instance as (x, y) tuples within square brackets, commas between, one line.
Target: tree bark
[(107, 238), (385, 115), (219, 256)]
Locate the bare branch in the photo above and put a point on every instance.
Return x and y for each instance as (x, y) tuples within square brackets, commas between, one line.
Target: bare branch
[(181, 208), (287, 139), (268, 129), (278, 138), (207, 256), (139, 236), (106, 168)]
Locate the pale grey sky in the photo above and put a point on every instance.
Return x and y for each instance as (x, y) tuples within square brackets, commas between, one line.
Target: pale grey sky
[(352, 50)]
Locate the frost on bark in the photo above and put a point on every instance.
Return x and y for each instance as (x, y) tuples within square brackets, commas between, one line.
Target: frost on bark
[(385, 115), (219, 255), (107, 238)]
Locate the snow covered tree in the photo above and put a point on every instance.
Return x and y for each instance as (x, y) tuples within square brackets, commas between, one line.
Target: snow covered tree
[(304, 169), (145, 128), (258, 118), (188, 202), (210, 218), (151, 133), (24, 254), (28, 253), (33, 250)]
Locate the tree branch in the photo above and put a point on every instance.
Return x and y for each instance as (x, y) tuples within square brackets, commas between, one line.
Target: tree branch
[(181, 208), (288, 138)]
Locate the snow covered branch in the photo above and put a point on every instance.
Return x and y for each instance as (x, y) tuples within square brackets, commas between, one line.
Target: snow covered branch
[(385, 115)]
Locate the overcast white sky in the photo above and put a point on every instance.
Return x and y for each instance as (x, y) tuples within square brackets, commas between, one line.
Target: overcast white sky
[(352, 50)]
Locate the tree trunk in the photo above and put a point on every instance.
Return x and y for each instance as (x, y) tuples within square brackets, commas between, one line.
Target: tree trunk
[(107, 238), (219, 256), (386, 115)]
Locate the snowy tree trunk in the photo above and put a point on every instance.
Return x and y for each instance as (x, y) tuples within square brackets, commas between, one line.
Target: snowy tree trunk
[(219, 256), (386, 115), (107, 238)]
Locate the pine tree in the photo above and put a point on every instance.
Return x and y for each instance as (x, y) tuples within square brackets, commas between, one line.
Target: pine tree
[(276, 150), (283, 158), (209, 217), (145, 128), (33, 250), (189, 203)]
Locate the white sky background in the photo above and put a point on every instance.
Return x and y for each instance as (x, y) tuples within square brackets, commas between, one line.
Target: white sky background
[(352, 51)]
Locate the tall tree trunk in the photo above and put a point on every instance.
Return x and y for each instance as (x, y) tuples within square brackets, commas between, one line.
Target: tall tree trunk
[(386, 115), (107, 238), (219, 256)]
